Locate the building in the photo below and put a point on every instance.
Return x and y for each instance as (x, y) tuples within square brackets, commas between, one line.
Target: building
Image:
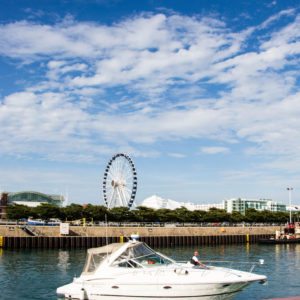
[(3, 205), (157, 202), (33, 199), (241, 205), (28, 198), (207, 207), (230, 205)]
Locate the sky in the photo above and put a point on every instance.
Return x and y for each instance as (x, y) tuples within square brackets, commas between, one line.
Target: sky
[(202, 95)]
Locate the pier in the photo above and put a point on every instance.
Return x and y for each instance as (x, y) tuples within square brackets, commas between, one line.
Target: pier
[(45, 237)]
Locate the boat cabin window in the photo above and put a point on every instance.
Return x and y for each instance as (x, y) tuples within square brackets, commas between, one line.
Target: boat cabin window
[(140, 256), (93, 261)]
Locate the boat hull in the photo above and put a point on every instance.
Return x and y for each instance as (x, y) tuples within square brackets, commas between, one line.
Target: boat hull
[(97, 291)]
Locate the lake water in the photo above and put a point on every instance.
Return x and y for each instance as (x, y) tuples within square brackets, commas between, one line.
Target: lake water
[(35, 274)]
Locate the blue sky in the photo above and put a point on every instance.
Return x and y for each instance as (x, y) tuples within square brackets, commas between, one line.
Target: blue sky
[(203, 96)]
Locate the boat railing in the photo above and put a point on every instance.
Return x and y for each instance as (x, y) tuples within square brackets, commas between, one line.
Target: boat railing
[(239, 265), (229, 264)]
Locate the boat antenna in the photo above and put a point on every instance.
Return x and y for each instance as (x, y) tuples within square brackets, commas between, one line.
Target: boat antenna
[(106, 234)]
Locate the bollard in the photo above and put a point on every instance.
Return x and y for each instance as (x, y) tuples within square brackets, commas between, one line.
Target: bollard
[(1, 241), (121, 239), (247, 238)]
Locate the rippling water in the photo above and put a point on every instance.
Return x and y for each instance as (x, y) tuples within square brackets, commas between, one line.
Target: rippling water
[(35, 274)]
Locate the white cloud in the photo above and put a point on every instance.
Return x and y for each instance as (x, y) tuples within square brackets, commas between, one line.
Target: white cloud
[(214, 150), (276, 17), (151, 78), (176, 155)]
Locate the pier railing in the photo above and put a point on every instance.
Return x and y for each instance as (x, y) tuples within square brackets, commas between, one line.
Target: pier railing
[(156, 224)]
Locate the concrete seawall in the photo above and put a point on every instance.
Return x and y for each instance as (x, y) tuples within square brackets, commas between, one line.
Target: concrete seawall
[(13, 237), (95, 231)]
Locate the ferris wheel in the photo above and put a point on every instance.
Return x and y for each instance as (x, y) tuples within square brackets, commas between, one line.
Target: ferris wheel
[(119, 181)]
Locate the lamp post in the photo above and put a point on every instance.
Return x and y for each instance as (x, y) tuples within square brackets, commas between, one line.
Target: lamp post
[(290, 202)]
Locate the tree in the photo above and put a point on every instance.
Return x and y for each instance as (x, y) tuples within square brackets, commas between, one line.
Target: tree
[(236, 217), (217, 215), (166, 215), (183, 214), (17, 212), (96, 212), (120, 214), (72, 212), (145, 214), (199, 215), (47, 211)]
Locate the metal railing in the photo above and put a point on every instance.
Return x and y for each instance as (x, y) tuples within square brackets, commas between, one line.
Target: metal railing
[(156, 224)]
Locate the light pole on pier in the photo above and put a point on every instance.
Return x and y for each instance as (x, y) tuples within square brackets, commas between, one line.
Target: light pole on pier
[(290, 202)]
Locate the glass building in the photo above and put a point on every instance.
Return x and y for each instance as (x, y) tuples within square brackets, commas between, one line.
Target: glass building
[(33, 199), (241, 205)]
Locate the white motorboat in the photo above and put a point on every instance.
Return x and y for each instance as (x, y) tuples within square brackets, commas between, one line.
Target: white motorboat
[(35, 222), (133, 270)]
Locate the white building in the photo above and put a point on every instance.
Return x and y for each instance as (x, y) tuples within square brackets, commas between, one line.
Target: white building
[(234, 204), (157, 202)]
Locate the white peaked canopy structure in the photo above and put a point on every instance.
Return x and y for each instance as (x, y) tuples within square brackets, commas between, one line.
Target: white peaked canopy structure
[(157, 202), (119, 181)]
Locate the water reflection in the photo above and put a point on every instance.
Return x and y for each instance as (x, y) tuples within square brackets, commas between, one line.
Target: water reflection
[(63, 260)]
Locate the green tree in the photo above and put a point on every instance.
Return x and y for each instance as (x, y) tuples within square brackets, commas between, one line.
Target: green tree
[(199, 215), (96, 212), (145, 214), (236, 217), (120, 214), (217, 215), (46, 211), (183, 214), (166, 215), (252, 215), (72, 212), (17, 212)]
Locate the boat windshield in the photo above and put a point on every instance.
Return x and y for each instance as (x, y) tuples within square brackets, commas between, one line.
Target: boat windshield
[(139, 256)]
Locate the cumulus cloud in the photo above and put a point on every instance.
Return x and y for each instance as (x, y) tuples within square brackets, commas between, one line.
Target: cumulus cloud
[(151, 78)]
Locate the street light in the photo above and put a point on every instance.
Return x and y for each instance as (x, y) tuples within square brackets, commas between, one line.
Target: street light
[(290, 202)]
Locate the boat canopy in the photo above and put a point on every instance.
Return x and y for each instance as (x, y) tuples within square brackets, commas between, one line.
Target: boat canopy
[(129, 255), (105, 249)]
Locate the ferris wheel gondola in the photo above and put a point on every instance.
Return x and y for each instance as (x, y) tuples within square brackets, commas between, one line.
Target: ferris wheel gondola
[(119, 182)]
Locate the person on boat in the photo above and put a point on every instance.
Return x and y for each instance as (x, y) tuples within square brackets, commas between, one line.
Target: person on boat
[(151, 262), (195, 261)]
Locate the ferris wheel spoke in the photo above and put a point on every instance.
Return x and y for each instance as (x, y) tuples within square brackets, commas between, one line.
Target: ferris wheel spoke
[(128, 191), (109, 205), (120, 196), (125, 191)]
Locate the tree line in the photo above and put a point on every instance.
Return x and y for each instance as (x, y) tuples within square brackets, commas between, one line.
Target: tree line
[(98, 213)]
